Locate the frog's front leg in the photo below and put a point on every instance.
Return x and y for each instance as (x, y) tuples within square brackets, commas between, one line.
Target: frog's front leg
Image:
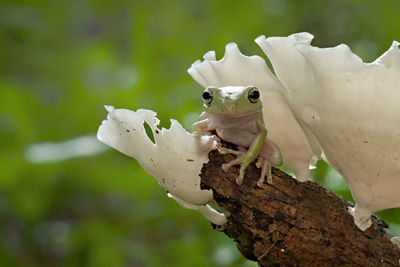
[(247, 158), (202, 125)]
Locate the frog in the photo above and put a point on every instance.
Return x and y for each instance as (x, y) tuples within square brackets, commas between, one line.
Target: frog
[(234, 114)]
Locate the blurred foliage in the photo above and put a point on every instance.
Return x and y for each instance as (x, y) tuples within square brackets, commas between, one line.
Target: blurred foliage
[(61, 61)]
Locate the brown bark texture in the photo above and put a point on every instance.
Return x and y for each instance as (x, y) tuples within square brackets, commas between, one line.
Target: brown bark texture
[(289, 223)]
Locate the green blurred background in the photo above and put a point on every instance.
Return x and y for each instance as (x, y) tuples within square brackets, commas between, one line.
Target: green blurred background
[(66, 199)]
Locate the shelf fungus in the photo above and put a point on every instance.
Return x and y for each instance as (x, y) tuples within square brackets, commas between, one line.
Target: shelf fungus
[(350, 109), (325, 102), (174, 159)]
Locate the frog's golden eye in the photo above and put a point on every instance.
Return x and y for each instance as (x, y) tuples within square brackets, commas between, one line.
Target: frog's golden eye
[(207, 96), (253, 95)]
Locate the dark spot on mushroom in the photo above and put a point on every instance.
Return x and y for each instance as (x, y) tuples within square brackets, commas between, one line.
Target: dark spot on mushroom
[(190, 160), (127, 130), (157, 131), (365, 142)]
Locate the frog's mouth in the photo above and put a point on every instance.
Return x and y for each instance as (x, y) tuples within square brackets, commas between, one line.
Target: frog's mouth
[(232, 111)]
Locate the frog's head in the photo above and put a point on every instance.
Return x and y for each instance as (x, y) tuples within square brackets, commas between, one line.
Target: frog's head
[(232, 100)]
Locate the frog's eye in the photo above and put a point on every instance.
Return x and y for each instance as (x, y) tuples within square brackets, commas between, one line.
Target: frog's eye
[(253, 95), (207, 96)]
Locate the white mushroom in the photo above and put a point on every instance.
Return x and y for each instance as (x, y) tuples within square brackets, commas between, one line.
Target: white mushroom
[(174, 160), (349, 108)]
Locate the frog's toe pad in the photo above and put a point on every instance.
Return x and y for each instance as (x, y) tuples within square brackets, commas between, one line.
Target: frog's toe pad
[(260, 183), (226, 167), (239, 180)]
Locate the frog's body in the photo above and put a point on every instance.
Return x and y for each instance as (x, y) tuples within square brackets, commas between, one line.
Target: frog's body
[(236, 130), (234, 113)]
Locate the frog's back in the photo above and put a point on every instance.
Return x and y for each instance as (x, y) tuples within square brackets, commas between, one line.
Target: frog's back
[(236, 130)]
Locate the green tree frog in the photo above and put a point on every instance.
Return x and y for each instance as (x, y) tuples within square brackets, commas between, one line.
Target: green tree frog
[(235, 114)]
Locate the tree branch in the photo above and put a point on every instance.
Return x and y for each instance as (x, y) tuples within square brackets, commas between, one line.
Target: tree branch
[(290, 223)]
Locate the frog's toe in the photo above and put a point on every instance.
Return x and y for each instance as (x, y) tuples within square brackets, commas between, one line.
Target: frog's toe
[(270, 180), (243, 166), (226, 166), (260, 182), (239, 179), (266, 167), (224, 150), (259, 163)]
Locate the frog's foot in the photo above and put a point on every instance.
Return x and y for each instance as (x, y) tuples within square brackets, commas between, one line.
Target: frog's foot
[(244, 161), (224, 150), (265, 167)]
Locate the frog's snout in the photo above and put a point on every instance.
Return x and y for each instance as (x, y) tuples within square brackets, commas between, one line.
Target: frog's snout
[(230, 108)]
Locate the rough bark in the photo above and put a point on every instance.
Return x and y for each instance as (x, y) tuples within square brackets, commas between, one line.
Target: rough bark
[(289, 223)]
